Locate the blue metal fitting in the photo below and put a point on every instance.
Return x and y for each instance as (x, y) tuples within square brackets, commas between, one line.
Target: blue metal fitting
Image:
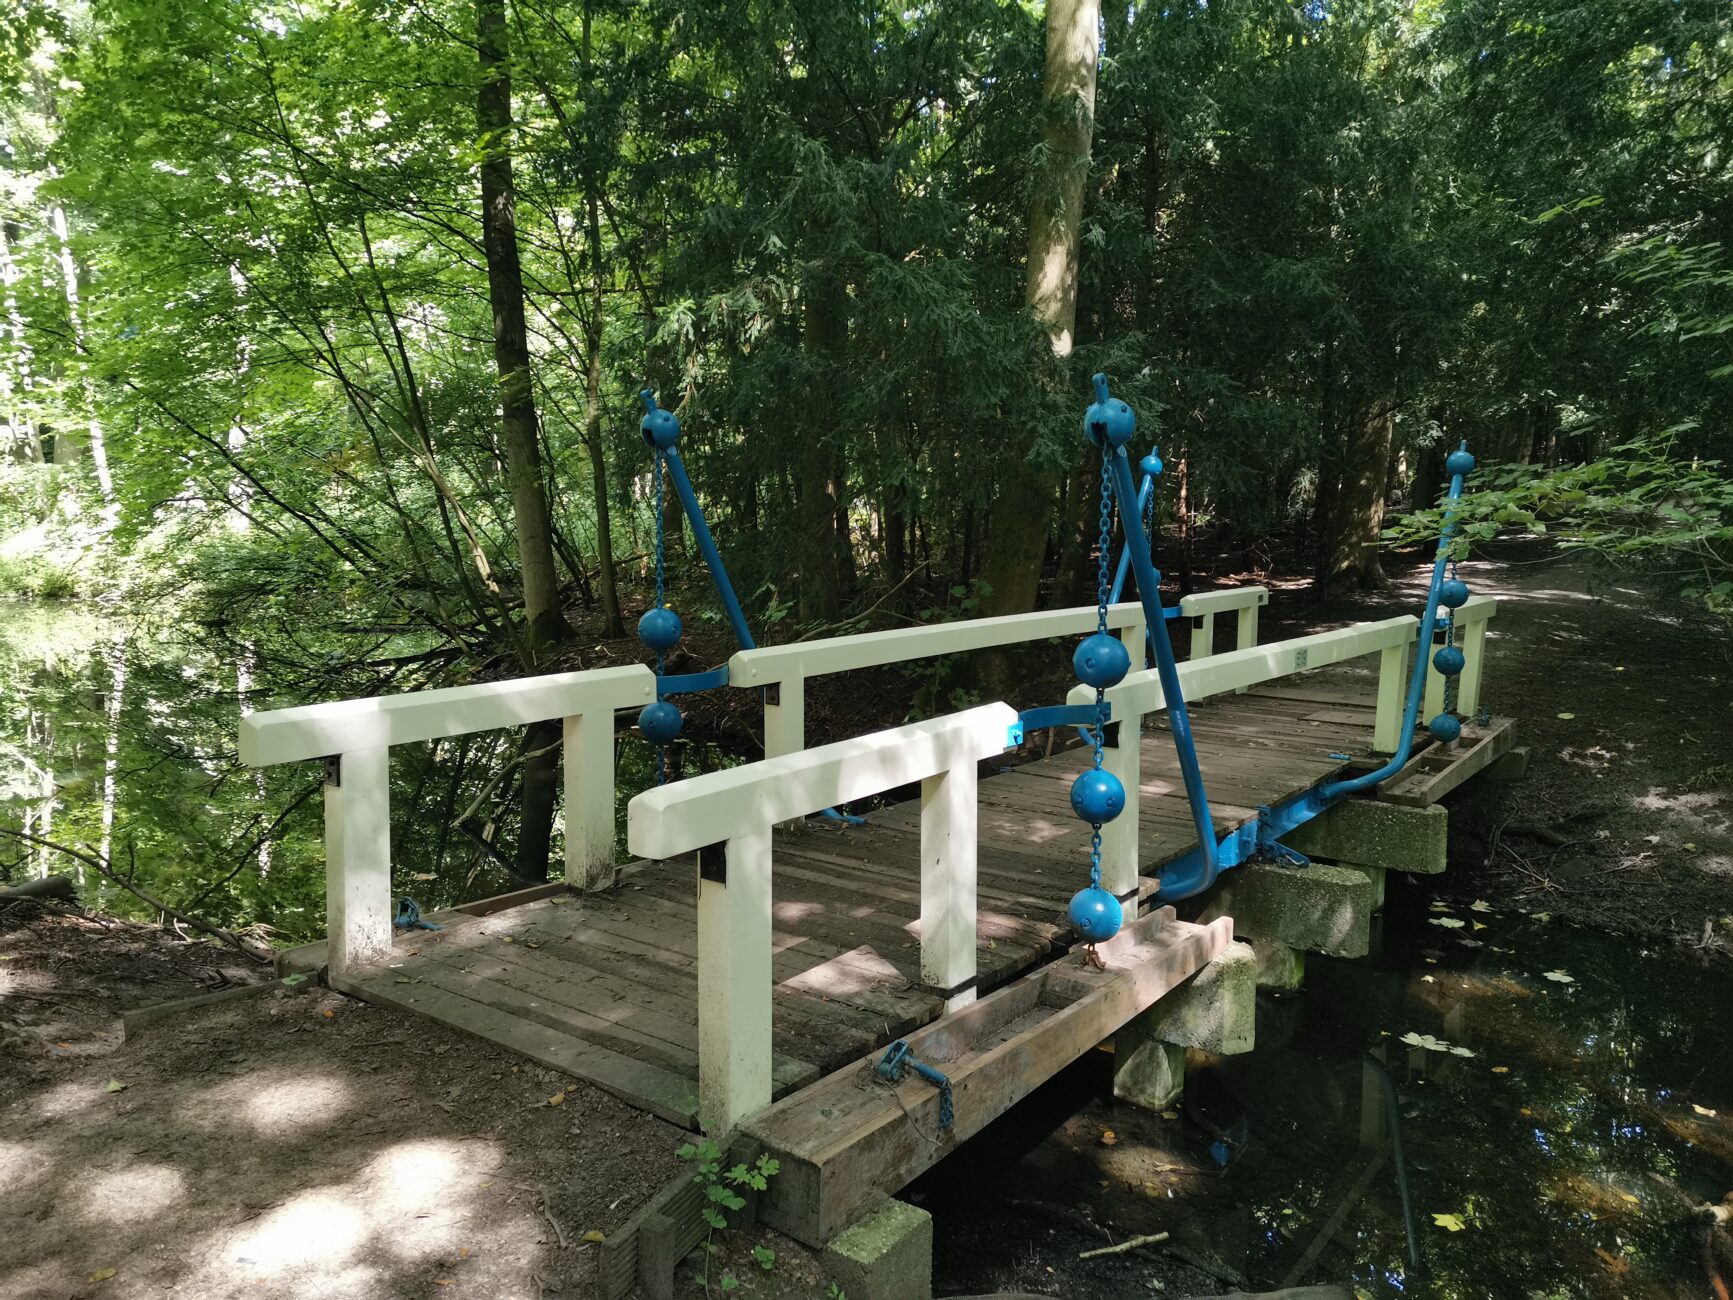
[(660, 629), (660, 722), (1444, 728), (1151, 464), (1460, 461), (1108, 418), (1095, 914), (1449, 661), (1101, 660), (1097, 796), (661, 429), (1453, 593)]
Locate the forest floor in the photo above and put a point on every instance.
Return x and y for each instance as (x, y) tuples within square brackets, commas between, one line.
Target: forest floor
[(298, 1143)]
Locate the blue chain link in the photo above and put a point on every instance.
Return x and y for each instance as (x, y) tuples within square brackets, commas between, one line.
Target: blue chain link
[(661, 593), (1098, 737), (1450, 682)]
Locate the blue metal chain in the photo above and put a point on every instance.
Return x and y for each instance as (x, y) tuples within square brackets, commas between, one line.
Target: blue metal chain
[(661, 591), (1098, 736), (1450, 682)]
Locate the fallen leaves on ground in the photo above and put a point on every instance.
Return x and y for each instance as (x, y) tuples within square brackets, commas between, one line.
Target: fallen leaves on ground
[(1433, 1044), (1109, 1137), (1450, 1222), (115, 1085), (103, 1274), (1448, 922)]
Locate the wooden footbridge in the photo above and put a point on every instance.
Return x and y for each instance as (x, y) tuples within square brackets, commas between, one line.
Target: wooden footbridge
[(753, 953)]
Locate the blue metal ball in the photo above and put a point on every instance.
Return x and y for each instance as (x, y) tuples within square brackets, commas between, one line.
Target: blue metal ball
[(1097, 796), (660, 628), (1095, 914), (1108, 418), (1458, 462), (1151, 464), (660, 722), (1453, 592), (1444, 728), (1101, 660), (1449, 661), (661, 429)]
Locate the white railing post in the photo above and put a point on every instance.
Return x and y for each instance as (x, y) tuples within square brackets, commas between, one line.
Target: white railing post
[(948, 934), (1203, 636), (1392, 695), (785, 716), (1473, 669), (1119, 860), (1120, 863), (1246, 633), (734, 980), (358, 859), (588, 756)]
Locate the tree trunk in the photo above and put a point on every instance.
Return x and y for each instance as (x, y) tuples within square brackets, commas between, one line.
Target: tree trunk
[(819, 507), (1351, 541), (1011, 559), (545, 624), (1080, 533)]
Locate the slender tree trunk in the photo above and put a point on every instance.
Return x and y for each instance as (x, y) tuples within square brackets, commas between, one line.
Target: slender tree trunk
[(1011, 559), (612, 623), (1351, 543), (1080, 533), (545, 624), (819, 506)]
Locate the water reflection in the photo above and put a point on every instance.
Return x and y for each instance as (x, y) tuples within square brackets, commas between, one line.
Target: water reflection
[(1562, 1105)]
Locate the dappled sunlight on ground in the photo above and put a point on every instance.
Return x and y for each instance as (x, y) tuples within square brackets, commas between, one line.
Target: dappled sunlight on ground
[(136, 1194)]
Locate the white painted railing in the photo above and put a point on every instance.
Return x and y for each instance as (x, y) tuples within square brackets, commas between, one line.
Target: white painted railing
[(1244, 602), (727, 818), (783, 670), (1392, 639), (355, 737)]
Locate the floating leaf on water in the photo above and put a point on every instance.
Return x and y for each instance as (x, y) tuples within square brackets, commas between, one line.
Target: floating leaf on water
[(1439, 905), (1479, 925), (1429, 979), (1461, 1051), (1690, 848), (1558, 977), (1449, 1222), (1566, 717), (1480, 905), (1448, 922), (424, 875), (1501, 1069), (1702, 1110), (1543, 917)]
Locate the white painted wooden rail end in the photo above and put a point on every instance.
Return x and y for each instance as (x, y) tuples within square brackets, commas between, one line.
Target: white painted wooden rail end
[(355, 738), (727, 818)]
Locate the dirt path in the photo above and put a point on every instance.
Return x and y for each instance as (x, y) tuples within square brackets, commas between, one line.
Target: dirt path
[(284, 1146), (1624, 698)]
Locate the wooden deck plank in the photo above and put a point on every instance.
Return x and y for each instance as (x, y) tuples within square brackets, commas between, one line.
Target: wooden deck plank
[(604, 985)]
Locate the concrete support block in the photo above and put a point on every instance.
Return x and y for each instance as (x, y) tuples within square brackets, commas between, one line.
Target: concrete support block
[(1146, 1071), (1214, 1011), (886, 1255), (1374, 874), (1509, 766), (1317, 908), (1385, 834), (1280, 969)]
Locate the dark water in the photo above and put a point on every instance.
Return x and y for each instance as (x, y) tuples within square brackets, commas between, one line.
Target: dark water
[(1571, 1147)]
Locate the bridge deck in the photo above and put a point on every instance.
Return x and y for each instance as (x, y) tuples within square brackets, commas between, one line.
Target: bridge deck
[(604, 986)]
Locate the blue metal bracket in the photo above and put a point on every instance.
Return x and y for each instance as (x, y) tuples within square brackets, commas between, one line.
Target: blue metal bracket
[(1056, 715), (899, 1059), (686, 683)]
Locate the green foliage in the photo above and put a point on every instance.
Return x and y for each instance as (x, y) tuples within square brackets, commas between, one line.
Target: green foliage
[(1643, 503), (722, 1196)]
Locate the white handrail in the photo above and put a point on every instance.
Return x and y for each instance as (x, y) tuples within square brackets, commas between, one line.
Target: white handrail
[(784, 669), (1205, 605), (355, 738), (1141, 693), (728, 815)]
